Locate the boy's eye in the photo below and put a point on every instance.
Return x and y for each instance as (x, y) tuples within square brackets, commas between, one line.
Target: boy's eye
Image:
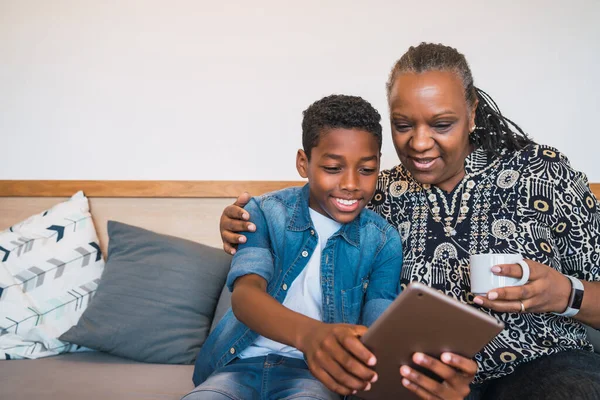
[(367, 171), (332, 170)]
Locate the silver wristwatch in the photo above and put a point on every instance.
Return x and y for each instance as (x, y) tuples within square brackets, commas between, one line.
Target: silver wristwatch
[(575, 299)]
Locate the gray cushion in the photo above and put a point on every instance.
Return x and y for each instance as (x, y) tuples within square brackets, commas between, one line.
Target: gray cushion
[(156, 298), (594, 337), (222, 306)]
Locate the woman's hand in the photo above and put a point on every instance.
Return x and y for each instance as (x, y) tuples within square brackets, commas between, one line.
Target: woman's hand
[(457, 373), (336, 357), (233, 220), (547, 290)]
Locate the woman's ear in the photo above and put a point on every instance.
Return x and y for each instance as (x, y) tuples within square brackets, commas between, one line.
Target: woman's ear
[(302, 163), (473, 114)]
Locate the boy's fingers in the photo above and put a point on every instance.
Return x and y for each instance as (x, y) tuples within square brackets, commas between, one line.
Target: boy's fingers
[(442, 370), (354, 367), (424, 386), (344, 368), (455, 371), (353, 344), (463, 364), (359, 330), (325, 376), (418, 390), (343, 378)]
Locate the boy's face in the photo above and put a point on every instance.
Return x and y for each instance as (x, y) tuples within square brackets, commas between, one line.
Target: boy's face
[(342, 172)]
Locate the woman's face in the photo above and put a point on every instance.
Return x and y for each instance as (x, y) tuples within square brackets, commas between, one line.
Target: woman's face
[(431, 122)]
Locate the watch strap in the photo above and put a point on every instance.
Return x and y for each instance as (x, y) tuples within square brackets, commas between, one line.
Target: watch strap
[(575, 299)]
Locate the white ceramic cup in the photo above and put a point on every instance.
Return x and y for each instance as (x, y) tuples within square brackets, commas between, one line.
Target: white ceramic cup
[(483, 279)]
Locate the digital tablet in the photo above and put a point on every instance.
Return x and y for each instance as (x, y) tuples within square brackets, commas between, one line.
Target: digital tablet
[(422, 319)]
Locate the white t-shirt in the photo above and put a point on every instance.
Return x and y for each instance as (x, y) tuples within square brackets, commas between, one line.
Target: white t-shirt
[(304, 294)]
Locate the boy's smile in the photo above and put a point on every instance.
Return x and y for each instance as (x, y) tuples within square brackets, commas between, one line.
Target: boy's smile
[(342, 172)]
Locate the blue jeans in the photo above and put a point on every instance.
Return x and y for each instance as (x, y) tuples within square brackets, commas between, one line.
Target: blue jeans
[(568, 375), (262, 378)]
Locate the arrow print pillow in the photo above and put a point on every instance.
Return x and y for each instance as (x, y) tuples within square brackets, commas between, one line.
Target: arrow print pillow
[(50, 265)]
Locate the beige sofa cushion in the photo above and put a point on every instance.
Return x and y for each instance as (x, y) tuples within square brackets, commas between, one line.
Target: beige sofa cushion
[(92, 376)]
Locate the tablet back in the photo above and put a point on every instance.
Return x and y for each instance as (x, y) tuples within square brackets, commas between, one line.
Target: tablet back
[(422, 319)]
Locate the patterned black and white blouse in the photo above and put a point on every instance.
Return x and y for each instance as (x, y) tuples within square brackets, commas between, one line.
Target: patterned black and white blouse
[(531, 202)]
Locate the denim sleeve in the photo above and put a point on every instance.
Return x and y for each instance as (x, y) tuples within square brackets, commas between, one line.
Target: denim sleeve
[(254, 256), (384, 283)]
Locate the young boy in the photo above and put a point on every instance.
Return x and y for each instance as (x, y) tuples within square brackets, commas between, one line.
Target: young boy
[(317, 265)]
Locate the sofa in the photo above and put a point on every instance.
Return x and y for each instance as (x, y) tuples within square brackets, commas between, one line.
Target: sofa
[(159, 294), (144, 230)]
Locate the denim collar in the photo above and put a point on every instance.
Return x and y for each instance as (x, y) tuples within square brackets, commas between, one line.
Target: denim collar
[(301, 221)]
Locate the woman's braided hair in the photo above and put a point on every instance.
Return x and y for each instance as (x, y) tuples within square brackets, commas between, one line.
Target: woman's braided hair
[(494, 131)]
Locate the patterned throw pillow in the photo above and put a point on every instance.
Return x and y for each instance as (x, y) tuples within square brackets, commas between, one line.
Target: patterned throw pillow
[(50, 265)]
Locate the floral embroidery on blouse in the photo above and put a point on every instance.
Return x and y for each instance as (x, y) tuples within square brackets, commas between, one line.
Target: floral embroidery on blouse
[(530, 202)]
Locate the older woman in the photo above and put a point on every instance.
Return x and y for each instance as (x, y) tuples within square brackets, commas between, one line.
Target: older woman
[(470, 181)]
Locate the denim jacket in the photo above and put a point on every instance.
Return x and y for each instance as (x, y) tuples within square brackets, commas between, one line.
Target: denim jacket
[(360, 269)]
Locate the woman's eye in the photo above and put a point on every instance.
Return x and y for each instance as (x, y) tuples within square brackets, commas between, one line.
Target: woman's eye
[(442, 126), (402, 127)]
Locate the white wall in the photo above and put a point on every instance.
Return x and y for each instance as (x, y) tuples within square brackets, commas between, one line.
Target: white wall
[(134, 89)]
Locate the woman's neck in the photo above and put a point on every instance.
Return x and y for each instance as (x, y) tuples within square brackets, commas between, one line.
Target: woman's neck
[(449, 184)]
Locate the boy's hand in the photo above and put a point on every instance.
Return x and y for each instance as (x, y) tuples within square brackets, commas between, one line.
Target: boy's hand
[(337, 357), (457, 373)]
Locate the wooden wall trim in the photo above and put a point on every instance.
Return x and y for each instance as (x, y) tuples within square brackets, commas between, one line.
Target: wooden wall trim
[(200, 189), (595, 189), (215, 189)]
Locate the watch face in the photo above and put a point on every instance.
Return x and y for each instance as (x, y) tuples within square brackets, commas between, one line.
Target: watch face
[(577, 299)]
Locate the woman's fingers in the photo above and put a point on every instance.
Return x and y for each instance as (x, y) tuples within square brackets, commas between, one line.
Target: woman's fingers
[(513, 293), (233, 220), (513, 270), (512, 306), (229, 236), (229, 249), (509, 298), (547, 290), (230, 241), (236, 212), (242, 200)]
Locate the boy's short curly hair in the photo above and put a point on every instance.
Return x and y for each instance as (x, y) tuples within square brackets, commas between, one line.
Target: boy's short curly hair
[(338, 111)]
